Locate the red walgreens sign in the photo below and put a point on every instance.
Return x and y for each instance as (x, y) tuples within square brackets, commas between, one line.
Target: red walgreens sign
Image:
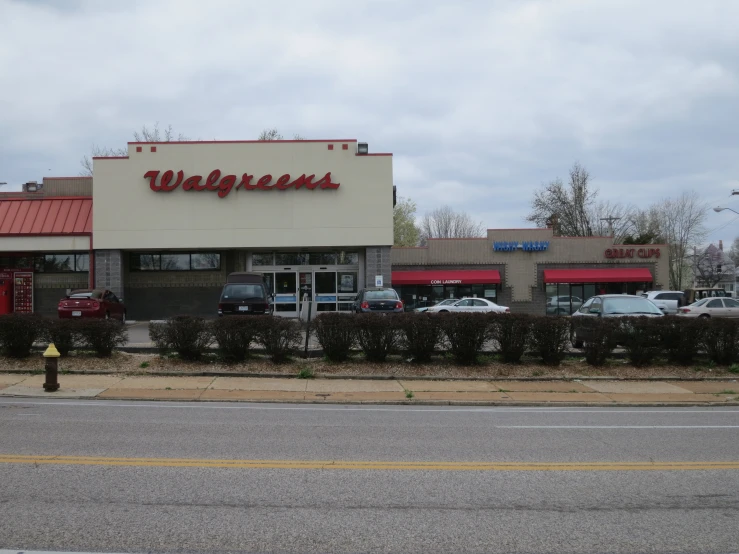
[(223, 185)]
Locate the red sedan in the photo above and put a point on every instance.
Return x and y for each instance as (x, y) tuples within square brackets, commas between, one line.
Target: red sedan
[(100, 303)]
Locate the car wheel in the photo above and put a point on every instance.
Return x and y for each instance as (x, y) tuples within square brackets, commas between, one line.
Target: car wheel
[(443, 311), (704, 315), (577, 343)]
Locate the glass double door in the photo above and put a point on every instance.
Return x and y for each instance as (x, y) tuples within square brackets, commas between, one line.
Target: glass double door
[(329, 290)]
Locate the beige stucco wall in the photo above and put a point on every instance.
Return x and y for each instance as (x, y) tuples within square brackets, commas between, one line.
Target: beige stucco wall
[(127, 214), (44, 244), (520, 266)]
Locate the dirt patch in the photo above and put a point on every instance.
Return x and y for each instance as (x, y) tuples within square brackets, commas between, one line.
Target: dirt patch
[(395, 367)]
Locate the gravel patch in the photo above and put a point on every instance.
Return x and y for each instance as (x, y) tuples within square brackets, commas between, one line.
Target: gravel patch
[(395, 367)]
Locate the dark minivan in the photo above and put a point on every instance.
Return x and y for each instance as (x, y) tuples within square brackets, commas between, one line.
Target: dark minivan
[(245, 294), (378, 300)]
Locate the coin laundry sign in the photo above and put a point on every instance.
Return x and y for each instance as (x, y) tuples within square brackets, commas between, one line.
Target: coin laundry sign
[(526, 246), (223, 185)]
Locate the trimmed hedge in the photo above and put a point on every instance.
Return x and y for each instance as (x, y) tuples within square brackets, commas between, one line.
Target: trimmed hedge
[(512, 333), (721, 340), (681, 337), (419, 335), (640, 338), (376, 334), (280, 337), (18, 332), (187, 335), (235, 335), (336, 333), (465, 334), (600, 342), (63, 333), (550, 337), (102, 335)]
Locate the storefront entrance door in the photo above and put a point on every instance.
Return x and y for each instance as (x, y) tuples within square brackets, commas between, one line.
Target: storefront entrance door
[(286, 294)]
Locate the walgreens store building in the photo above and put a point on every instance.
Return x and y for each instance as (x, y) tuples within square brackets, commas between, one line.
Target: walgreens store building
[(164, 226)]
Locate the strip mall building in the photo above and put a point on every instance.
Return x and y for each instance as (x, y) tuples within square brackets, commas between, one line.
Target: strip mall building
[(163, 227)]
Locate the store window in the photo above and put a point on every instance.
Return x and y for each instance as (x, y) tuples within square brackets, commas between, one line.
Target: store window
[(82, 262), (322, 258), (347, 258), (291, 258), (58, 263), (171, 261), (175, 262), (205, 261), (262, 258)]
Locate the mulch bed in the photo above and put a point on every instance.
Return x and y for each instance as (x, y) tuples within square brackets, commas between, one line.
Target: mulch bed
[(395, 367)]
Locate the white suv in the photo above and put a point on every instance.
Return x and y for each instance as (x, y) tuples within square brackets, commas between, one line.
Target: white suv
[(669, 301)]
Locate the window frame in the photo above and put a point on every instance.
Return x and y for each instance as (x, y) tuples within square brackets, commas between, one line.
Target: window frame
[(158, 255)]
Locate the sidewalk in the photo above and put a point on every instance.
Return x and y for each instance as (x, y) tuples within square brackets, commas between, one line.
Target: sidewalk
[(391, 391)]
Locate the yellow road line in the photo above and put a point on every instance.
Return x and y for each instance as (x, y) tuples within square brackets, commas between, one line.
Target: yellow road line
[(368, 465)]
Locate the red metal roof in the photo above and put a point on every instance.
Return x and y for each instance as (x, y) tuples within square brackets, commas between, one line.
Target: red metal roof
[(46, 216), (609, 275), (447, 277)]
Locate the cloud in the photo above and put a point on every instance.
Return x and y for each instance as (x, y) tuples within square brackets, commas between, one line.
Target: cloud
[(481, 101)]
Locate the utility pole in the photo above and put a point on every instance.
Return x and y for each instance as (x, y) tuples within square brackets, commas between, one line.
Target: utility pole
[(610, 221)]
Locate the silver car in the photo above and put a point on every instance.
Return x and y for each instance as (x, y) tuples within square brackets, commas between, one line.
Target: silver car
[(563, 305), (470, 305)]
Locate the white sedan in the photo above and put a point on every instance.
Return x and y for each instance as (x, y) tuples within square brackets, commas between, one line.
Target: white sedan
[(470, 305), (711, 307)]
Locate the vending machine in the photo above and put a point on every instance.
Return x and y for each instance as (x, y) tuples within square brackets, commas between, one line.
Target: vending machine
[(23, 292), (6, 292)]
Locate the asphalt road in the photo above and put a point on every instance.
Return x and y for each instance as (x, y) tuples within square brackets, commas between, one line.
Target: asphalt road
[(141, 477)]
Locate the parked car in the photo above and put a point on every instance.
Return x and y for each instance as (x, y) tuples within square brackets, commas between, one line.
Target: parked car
[(563, 305), (87, 303), (447, 302), (693, 295), (378, 300), (470, 305), (245, 293), (711, 307), (609, 305), (669, 301)]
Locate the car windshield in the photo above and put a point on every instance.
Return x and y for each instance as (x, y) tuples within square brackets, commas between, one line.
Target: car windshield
[(629, 305), (380, 295), (243, 292), (701, 302), (94, 294), (447, 302)]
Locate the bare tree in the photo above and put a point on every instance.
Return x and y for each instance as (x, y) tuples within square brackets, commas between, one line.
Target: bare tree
[(153, 134), (445, 223), (270, 134), (711, 266), (734, 252), (612, 219), (645, 227), (681, 226), (571, 204), (274, 134)]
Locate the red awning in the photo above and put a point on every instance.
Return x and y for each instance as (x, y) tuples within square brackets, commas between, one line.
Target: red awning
[(45, 216), (450, 277), (609, 275)]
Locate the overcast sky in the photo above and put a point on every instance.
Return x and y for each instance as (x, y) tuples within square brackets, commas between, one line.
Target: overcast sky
[(480, 101)]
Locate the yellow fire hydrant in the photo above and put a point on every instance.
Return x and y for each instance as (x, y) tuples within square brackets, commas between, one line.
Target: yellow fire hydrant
[(52, 366)]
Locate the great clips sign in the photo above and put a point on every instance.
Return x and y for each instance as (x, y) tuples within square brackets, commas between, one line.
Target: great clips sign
[(223, 185), (632, 252)]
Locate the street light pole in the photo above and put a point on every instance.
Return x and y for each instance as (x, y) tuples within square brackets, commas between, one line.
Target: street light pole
[(720, 209)]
